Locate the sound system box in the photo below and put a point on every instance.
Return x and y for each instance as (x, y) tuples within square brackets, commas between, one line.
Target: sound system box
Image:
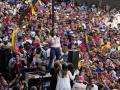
[(73, 57)]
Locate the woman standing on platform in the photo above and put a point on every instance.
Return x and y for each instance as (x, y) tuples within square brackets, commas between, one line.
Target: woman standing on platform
[(64, 77), (55, 49)]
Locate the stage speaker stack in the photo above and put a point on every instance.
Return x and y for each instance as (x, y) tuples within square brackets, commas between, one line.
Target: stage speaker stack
[(73, 57)]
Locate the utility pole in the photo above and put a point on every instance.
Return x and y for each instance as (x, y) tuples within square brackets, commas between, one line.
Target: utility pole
[(53, 16), (100, 3)]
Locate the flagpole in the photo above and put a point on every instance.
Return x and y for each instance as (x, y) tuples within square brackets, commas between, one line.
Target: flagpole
[(53, 20)]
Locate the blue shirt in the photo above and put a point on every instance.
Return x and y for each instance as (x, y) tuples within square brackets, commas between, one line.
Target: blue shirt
[(65, 57), (84, 8)]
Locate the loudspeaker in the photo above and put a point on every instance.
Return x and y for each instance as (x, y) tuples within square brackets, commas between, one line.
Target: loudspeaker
[(33, 82), (73, 57)]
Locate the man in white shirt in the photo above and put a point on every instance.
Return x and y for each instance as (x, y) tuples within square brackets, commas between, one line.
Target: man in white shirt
[(92, 85), (79, 85)]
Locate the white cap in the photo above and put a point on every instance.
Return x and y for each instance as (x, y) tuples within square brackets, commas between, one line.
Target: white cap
[(93, 5), (30, 41), (32, 33), (5, 39), (24, 26), (118, 42), (71, 32), (18, 5)]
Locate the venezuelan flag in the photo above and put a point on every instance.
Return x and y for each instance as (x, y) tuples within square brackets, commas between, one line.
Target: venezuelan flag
[(41, 6)]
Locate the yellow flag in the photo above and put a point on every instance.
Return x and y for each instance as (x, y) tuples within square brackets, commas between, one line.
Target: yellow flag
[(32, 8), (119, 48), (79, 65), (33, 11), (13, 37), (86, 39), (39, 1)]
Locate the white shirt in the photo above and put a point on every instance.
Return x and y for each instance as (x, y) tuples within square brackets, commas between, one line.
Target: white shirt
[(113, 74), (55, 42), (79, 86), (112, 50), (64, 83), (95, 87), (48, 52)]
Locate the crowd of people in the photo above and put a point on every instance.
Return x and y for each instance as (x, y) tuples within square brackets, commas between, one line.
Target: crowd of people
[(93, 31)]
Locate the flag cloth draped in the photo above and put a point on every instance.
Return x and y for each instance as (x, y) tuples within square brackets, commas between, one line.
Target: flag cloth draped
[(83, 44), (13, 38), (37, 4), (32, 8), (86, 39), (40, 6)]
